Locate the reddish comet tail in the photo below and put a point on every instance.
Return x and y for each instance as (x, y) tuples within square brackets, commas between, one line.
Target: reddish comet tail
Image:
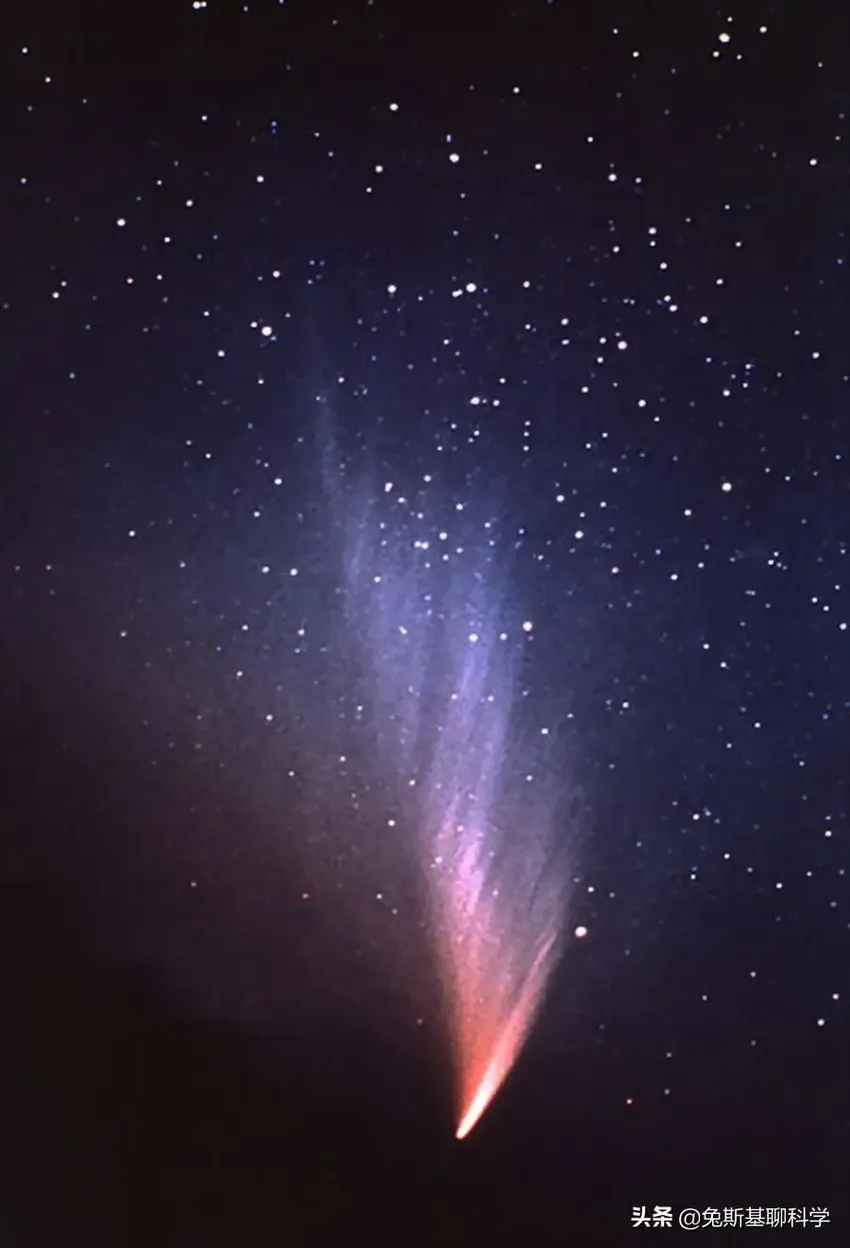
[(498, 897), (490, 1045), (496, 957)]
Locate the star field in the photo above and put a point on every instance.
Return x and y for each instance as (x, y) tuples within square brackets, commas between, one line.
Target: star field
[(399, 407)]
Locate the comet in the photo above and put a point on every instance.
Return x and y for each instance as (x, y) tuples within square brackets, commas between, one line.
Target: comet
[(498, 889), (453, 710)]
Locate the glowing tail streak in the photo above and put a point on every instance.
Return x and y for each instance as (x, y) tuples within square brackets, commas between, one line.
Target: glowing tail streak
[(498, 897), (423, 604), (478, 1089)]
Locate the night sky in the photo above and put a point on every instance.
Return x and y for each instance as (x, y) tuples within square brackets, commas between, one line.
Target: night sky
[(362, 362)]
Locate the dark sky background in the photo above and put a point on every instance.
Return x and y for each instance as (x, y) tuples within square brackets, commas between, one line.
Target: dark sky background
[(588, 264)]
